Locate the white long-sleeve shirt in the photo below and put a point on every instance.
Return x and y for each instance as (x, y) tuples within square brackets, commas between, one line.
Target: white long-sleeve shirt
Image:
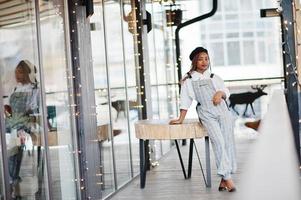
[(187, 93)]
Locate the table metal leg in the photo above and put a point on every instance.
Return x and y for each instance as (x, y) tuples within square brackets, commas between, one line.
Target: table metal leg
[(143, 146), (190, 157), (39, 155), (142, 162), (208, 168), (147, 149), (181, 160)]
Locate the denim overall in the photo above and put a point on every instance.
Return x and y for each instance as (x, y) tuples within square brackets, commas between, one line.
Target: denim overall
[(20, 120), (217, 120)]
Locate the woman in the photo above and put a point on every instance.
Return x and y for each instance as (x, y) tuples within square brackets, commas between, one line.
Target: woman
[(20, 117), (24, 99), (210, 93)]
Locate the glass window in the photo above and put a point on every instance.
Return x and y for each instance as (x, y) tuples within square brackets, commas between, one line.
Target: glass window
[(233, 51), (119, 96), (232, 35), (261, 55), (246, 16), (247, 25), (21, 96), (159, 48), (260, 34), (216, 17), (58, 102), (162, 44), (217, 50), (102, 106), (203, 36), (232, 26), (248, 34), (132, 85), (249, 52), (246, 5), (203, 27), (230, 5), (271, 53), (216, 36), (259, 3), (212, 26), (261, 24), (231, 17)]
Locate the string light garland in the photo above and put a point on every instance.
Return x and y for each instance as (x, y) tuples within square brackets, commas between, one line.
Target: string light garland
[(291, 69), (140, 93), (298, 36)]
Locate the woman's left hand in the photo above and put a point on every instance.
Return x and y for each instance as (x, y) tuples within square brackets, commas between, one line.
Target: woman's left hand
[(217, 98)]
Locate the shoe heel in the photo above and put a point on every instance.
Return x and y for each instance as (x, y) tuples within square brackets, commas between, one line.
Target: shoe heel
[(232, 190)]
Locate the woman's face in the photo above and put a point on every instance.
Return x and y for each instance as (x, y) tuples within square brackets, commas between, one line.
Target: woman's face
[(21, 76), (202, 62)]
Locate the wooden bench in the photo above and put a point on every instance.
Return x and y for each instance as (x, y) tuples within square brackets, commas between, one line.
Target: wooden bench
[(161, 130)]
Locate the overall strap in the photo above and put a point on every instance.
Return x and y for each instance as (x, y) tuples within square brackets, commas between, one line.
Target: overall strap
[(189, 75), (199, 104)]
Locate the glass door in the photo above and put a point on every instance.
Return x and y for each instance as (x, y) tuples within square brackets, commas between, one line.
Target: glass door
[(35, 85), (21, 101), (58, 98)]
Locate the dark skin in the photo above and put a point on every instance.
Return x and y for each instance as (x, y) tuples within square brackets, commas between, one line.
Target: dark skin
[(202, 66)]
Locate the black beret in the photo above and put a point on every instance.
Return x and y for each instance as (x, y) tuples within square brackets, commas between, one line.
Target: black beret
[(196, 51)]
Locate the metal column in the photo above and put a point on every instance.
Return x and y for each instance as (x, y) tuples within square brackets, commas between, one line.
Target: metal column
[(289, 57)]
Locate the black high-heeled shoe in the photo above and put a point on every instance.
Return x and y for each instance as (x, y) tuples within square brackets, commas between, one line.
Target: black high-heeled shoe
[(222, 189), (232, 189)]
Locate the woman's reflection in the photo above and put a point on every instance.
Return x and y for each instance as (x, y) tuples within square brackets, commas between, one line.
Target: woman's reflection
[(20, 116)]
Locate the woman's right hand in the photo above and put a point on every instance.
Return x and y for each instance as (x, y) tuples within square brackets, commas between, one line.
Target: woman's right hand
[(180, 119), (175, 121)]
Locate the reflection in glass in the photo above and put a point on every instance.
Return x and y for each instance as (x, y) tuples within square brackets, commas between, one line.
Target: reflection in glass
[(58, 99), (163, 74), (21, 97), (101, 99), (131, 80), (119, 101)]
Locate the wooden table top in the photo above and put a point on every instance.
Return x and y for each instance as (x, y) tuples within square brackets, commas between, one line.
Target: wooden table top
[(162, 130), (52, 139)]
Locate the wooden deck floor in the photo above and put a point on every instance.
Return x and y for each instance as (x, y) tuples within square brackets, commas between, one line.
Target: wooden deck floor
[(166, 181), (268, 167)]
